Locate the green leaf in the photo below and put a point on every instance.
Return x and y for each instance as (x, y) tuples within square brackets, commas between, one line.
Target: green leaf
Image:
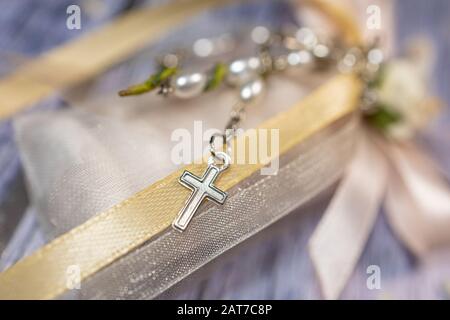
[(383, 117), (151, 83), (218, 74)]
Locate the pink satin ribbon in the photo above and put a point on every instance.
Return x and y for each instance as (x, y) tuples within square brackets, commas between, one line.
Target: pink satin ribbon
[(398, 176)]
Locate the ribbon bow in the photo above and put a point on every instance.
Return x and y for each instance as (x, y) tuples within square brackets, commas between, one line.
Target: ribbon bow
[(396, 175)]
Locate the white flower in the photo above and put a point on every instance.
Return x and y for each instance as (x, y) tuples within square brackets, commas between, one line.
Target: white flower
[(403, 91)]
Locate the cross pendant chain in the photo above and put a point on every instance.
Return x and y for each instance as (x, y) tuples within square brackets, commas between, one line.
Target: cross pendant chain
[(202, 188)]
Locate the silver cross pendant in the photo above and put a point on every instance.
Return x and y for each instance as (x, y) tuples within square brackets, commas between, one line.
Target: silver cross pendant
[(202, 188)]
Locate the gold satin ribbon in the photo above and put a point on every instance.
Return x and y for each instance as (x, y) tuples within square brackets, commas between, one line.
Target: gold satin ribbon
[(117, 231)]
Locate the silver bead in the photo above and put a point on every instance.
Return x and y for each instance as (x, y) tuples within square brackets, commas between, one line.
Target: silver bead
[(251, 90), (203, 47), (188, 85), (374, 59), (351, 61), (299, 58), (280, 63), (307, 38), (321, 51), (375, 56), (260, 35), (243, 70)]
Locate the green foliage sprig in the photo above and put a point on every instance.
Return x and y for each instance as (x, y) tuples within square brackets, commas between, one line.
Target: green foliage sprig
[(217, 76), (151, 83)]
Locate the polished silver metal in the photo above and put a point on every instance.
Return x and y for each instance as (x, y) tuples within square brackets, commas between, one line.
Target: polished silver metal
[(220, 159), (243, 70), (225, 137), (251, 90), (202, 188), (188, 85)]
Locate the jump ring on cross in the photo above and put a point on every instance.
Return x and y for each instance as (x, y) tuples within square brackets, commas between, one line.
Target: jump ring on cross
[(225, 140), (224, 159)]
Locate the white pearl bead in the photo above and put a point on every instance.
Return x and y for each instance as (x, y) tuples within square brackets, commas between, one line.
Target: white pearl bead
[(188, 85), (251, 90), (243, 70)]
